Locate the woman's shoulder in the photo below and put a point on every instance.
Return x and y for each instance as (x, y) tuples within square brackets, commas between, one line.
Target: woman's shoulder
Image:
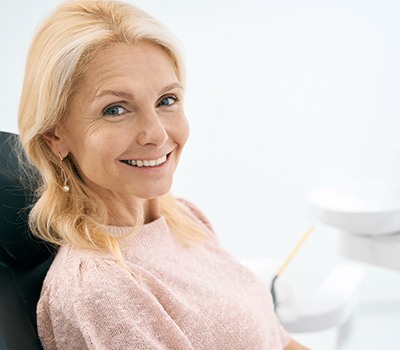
[(86, 295), (79, 279), (75, 270)]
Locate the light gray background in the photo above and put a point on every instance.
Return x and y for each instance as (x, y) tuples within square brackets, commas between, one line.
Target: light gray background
[(281, 96)]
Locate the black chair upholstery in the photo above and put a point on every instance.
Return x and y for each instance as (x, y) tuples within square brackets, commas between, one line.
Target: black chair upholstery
[(24, 260)]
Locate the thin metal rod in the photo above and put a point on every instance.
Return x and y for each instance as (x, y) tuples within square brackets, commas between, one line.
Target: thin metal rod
[(286, 263)]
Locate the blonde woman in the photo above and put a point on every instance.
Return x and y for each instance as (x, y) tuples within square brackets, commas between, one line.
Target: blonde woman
[(102, 119)]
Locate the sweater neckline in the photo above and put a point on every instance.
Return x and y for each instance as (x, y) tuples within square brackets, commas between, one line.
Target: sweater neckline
[(149, 232)]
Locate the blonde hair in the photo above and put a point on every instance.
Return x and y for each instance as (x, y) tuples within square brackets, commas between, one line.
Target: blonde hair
[(60, 51)]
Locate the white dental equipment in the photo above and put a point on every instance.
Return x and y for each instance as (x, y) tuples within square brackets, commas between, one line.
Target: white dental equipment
[(368, 217)]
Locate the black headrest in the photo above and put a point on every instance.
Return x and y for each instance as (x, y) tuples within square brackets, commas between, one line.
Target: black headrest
[(17, 245)]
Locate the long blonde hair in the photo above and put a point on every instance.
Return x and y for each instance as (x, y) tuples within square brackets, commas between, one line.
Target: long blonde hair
[(60, 51)]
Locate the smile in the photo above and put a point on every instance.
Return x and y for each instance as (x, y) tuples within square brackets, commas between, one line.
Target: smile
[(146, 163)]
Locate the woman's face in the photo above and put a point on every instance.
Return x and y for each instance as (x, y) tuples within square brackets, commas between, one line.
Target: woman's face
[(126, 127)]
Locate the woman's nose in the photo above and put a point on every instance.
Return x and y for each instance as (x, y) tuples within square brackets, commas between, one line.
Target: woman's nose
[(151, 130)]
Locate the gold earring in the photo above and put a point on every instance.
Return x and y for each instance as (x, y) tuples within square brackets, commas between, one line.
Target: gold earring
[(63, 175)]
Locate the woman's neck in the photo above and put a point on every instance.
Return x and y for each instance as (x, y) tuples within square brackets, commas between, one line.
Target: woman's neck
[(122, 214)]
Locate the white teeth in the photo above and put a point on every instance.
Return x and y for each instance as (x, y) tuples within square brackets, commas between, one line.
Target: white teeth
[(147, 163), (161, 160)]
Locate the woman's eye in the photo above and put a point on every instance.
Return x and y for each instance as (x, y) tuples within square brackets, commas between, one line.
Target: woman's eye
[(167, 101), (114, 111)]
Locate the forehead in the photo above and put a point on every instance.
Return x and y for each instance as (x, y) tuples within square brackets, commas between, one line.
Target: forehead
[(130, 61)]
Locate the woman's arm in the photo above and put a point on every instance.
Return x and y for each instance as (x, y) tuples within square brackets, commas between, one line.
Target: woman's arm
[(295, 346)]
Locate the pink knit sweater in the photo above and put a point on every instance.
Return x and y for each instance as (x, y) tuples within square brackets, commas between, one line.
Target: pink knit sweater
[(178, 297)]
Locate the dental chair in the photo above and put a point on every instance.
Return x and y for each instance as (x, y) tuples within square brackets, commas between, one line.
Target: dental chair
[(24, 260)]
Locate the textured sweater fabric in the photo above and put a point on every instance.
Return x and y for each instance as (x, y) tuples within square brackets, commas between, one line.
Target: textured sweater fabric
[(173, 297)]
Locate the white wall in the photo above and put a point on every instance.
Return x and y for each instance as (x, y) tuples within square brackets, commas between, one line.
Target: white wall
[(282, 95)]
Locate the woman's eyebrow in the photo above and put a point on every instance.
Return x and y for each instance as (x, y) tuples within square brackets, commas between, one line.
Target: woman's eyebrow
[(171, 87), (129, 96), (123, 94)]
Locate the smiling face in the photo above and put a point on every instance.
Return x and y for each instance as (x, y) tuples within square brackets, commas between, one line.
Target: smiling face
[(126, 127)]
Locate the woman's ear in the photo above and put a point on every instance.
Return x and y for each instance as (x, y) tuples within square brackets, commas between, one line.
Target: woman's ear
[(55, 142)]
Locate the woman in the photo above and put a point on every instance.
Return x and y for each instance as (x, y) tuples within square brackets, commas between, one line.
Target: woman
[(101, 117)]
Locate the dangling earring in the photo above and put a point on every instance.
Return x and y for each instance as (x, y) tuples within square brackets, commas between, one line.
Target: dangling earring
[(63, 175)]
